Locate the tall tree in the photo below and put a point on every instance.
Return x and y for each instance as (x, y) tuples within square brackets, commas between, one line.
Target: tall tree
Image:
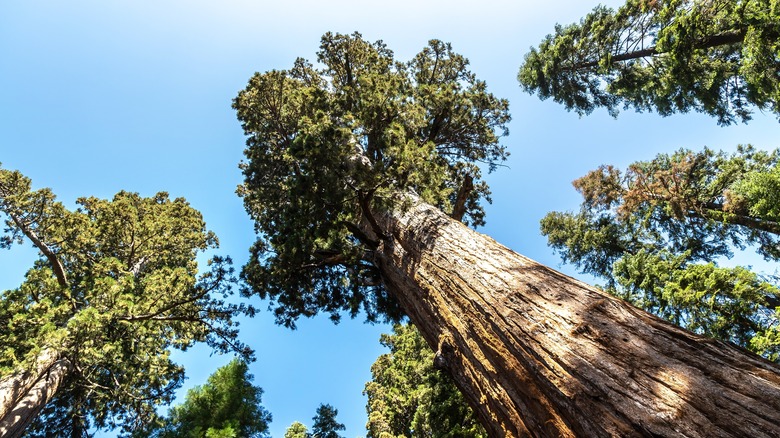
[(720, 57), (409, 397), (656, 231), (325, 424), (296, 430), (228, 405), (86, 339), (351, 168)]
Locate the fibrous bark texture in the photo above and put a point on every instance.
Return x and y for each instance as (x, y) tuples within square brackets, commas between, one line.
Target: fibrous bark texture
[(538, 353), (23, 395)]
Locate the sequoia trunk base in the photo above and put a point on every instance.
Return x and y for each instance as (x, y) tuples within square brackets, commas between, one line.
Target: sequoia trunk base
[(23, 395), (538, 353)]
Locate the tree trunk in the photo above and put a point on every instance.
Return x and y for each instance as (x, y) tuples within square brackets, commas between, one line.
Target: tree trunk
[(538, 353), (23, 395)]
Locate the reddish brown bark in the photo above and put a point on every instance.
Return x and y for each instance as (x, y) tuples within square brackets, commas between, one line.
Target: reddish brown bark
[(23, 395), (538, 353)]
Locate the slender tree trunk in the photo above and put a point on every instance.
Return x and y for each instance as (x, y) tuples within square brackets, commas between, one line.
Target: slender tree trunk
[(23, 395), (538, 353)]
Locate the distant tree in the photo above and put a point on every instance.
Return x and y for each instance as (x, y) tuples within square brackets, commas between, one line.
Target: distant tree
[(719, 57), (656, 231), (228, 405), (85, 341), (296, 430), (408, 397), (359, 176), (325, 423)]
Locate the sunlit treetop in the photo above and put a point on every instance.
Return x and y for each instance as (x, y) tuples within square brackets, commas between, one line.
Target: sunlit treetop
[(719, 57), (331, 143), (115, 289)]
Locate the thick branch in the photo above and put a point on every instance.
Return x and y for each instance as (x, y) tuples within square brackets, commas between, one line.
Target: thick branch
[(733, 37), (743, 220), (157, 314), (56, 266), (463, 195), (365, 207), (360, 235)]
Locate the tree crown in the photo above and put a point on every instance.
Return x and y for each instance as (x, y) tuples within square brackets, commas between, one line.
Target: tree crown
[(228, 405), (719, 57), (114, 290), (329, 146)]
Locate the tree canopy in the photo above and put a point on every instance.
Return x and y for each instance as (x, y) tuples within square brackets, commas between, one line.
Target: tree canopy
[(329, 146), (227, 406), (656, 232), (296, 430), (114, 290), (719, 57), (408, 397), (325, 424)]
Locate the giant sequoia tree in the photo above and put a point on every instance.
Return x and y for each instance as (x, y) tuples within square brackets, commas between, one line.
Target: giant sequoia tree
[(720, 57), (85, 340), (358, 176), (656, 231)]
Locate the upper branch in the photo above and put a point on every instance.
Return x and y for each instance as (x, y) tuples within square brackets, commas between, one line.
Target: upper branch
[(56, 265), (731, 37)]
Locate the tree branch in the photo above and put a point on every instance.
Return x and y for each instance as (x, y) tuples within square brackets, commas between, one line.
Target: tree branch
[(157, 315), (725, 38), (365, 207), (459, 209), (56, 266)]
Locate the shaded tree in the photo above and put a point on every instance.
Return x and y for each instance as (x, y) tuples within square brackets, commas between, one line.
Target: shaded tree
[(358, 176), (408, 397), (719, 57), (656, 231), (325, 423), (228, 405), (85, 341)]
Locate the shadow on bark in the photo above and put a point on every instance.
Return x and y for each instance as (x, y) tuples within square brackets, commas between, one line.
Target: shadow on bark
[(538, 353)]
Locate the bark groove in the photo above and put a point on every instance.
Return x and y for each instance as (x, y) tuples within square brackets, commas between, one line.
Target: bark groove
[(538, 353)]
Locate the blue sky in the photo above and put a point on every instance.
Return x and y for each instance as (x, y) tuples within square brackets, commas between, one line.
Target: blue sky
[(101, 96)]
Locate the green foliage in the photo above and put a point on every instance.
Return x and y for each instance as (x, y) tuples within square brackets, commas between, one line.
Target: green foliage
[(228, 405), (328, 147), (719, 57), (296, 430), (407, 397), (114, 290), (325, 423), (656, 232)]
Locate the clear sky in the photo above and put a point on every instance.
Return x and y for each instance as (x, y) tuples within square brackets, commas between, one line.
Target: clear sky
[(101, 96)]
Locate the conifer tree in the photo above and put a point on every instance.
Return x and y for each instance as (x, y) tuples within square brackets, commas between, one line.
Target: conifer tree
[(409, 397), (85, 340), (228, 406), (719, 57)]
